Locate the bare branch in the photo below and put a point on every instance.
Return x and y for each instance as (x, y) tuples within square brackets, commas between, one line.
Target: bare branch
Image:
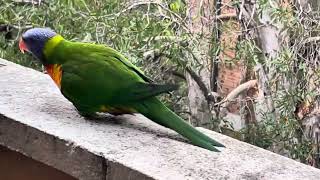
[(178, 74), (209, 97), (9, 27), (237, 91), (311, 39), (227, 16), (30, 2)]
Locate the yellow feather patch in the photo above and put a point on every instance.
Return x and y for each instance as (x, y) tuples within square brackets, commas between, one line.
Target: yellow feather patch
[(51, 44), (117, 110)]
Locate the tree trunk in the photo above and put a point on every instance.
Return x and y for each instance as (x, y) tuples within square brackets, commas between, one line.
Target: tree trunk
[(268, 39), (200, 16)]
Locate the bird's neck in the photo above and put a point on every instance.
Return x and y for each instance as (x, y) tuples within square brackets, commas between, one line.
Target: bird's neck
[(50, 46), (52, 67)]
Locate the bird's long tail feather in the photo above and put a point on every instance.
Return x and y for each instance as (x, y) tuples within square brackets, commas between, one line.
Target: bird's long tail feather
[(159, 113)]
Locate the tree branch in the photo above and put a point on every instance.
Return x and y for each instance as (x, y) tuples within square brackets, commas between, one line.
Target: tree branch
[(178, 74), (209, 96), (9, 27), (228, 16), (30, 2), (311, 39), (236, 92)]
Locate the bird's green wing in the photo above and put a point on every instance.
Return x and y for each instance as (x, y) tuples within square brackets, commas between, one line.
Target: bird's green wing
[(145, 90), (109, 52)]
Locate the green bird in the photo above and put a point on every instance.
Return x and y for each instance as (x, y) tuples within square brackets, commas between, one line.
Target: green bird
[(97, 78)]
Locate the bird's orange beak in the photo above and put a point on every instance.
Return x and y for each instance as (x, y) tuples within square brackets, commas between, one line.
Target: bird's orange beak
[(22, 46)]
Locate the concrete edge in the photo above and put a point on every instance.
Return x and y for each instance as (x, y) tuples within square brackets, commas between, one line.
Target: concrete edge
[(60, 154)]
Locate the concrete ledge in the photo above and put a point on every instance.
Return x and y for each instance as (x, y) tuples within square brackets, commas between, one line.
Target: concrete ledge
[(38, 122)]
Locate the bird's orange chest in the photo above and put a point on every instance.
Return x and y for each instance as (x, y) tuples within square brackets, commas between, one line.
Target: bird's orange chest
[(55, 72)]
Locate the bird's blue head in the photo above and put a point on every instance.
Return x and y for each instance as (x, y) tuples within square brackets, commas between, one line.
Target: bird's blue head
[(34, 41)]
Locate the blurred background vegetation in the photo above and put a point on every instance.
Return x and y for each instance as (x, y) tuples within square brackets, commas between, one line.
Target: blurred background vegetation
[(274, 46)]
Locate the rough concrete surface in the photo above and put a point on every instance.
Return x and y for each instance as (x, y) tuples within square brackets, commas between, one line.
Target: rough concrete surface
[(37, 121)]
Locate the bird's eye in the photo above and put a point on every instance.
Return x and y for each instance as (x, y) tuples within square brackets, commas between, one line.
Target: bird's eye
[(24, 39), (28, 41)]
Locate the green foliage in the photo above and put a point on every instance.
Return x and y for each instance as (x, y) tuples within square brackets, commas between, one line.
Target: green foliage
[(295, 76)]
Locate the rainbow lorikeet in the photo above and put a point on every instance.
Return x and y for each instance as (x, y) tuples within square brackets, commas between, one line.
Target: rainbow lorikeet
[(97, 78)]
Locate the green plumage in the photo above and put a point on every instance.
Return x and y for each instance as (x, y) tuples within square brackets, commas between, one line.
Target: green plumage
[(97, 78)]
